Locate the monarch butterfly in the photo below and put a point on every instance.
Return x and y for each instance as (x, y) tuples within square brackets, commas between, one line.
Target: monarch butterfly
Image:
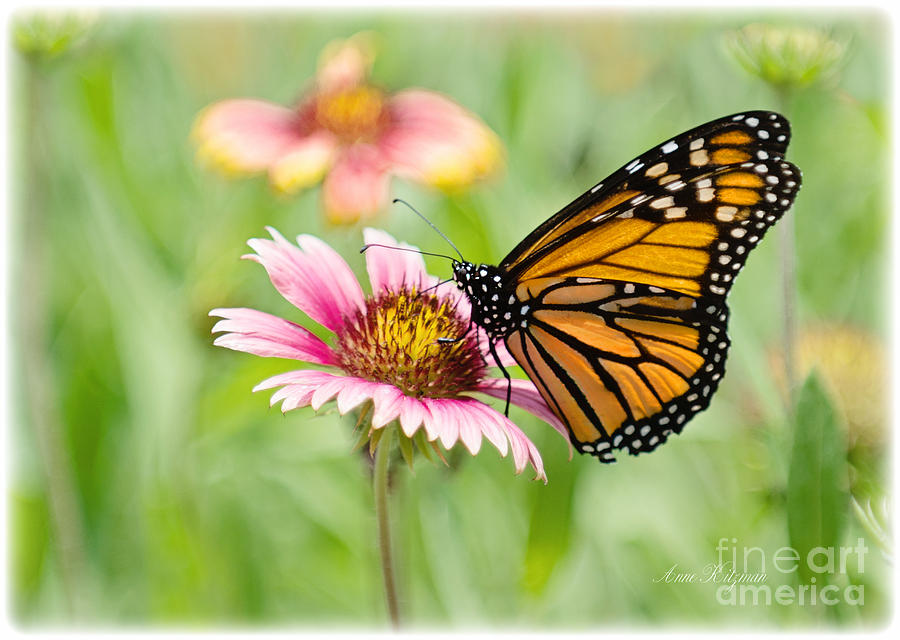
[(615, 306)]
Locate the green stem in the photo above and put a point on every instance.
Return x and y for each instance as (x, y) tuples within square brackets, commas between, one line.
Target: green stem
[(37, 366), (380, 484), (788, 293), (787, 249)]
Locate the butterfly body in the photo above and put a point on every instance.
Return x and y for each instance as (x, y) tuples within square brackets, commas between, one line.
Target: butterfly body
[(615, 306), (495, 307)]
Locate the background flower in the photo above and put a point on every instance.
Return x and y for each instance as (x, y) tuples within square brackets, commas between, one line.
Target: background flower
[(351, 132), (45, 34), (853, 365), (386, 350), (787, 57)]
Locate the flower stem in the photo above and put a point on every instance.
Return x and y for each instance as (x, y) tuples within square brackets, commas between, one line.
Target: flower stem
[(380, 484), (787, 248), (788, 292)]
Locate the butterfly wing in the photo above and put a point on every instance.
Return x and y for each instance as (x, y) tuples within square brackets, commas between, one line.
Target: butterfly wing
[(683, 216), (626, 335), (623, 365)]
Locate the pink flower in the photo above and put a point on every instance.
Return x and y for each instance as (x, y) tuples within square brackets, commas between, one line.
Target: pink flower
[(384, 348), (351, 133)]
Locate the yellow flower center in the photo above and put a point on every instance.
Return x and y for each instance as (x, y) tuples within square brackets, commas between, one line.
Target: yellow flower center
[(353, 115), (395, 341)]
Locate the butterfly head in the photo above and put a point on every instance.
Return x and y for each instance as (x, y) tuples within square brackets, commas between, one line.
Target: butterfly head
[(494, 304), (462, 273), (476, 280)]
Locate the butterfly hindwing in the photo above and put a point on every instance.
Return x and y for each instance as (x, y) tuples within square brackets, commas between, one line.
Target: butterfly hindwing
[(624, 365)]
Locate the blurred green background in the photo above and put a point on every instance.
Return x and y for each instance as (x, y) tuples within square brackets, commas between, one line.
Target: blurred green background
[(149, 487)]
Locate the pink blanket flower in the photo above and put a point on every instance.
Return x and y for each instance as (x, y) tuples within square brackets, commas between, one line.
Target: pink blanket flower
[(385, 347), (351, 133)]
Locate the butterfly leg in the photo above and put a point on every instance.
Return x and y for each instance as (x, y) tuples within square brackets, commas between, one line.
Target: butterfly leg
[(478, 341), (505, 375), (461, 336)]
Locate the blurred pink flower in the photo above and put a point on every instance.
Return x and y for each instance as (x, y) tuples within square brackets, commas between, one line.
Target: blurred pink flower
[(385, 347), (351, 133)]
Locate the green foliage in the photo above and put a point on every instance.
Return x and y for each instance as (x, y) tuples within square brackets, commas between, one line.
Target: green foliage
[(549, 527), (200, 506), (817, 504)]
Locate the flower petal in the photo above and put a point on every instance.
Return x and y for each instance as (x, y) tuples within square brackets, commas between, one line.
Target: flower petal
[(491, 429), (310, 377), (357, 185), (353, 394), (498, 429), (295, 396), (428, 423), (298, 387), (387, 400), (343, 64), (470, 427), (434, 140), (312, 277), (269, 336), (412, 413), (525, 395), (524, 451), (327, 391), (246, 136), (303, 163), (391, 269), (441, 422)]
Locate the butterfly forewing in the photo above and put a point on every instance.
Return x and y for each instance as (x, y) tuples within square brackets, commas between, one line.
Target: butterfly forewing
[(692, 238), (662, 219)]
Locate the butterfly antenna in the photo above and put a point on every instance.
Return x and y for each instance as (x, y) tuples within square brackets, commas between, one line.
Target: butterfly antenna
[(436, 285), (430, 224), (366, 247)]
